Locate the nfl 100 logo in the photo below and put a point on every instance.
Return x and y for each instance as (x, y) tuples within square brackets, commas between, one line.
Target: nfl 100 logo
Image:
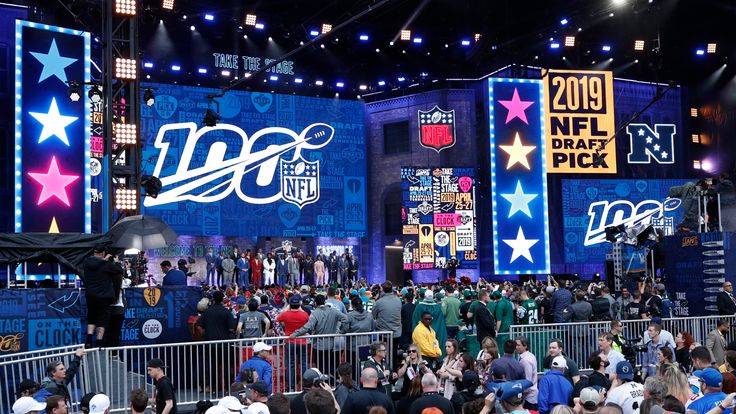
[(437, 128)]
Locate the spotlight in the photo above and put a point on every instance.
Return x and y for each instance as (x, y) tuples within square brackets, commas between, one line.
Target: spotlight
[(148, 65), (149, 98), (151, 185), (554, 45), (126, 7), (401, 79), (564, 21), (712, 48), (363, 87), (273, 78), (694, 112), (319, 82), (270, 39), (260, 26), (74, 92), (700, 52), (378, 50), (477, 37), (606, 48), (124, 134), (618, 2), (298, 80), (250, 19), (696, 139), (417, 40), (95, 94), (125, 68), (192, 28), (405, 35), (326, 28), (126, 199), (209, 17), (202, 71), (225, 73), (175, 68), (639, 45), (569, 41), (465, 42), (167, 4), (314, 32), (696, 164), (210, 118), (381, 83), (340, 84), (364, 38)]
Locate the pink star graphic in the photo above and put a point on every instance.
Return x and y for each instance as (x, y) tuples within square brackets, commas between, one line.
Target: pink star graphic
[(516, 107), (54, 183)]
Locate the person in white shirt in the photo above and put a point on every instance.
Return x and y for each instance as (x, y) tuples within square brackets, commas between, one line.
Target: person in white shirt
[(625, 392), (605, 344), (529, 362)]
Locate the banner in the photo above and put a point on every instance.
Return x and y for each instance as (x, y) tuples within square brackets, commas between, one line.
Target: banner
[(589, 206), (518, 177), (580, 118), (52, 132), (438, 217), (33, 319), (274, 165), (697, 267)]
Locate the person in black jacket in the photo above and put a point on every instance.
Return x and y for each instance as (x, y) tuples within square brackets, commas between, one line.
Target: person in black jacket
[(601, 307), (218, 324), (369, 396), (99, 272), (485, 323), (59, 376), (725, 301)]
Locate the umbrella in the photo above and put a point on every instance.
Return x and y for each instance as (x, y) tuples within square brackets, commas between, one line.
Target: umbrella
[(141, 232)]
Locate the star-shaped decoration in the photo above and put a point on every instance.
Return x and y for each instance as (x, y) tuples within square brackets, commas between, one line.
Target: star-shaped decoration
[(517, 153), (656, 147), (516, 107), (519, 201), (641, 132), (54, 183), (53, 63), (54, 123), (521, 246), (664, 154), (649, 140)]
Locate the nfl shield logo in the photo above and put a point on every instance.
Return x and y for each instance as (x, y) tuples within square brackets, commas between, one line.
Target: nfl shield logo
[(437, 128), (299, 181)]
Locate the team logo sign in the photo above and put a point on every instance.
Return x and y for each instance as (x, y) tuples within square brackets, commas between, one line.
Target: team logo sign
[(300, 181), (646, 144), (437, 128), (152, 296)]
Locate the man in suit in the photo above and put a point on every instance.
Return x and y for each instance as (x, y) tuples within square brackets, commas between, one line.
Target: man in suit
[(172, 277), (292, 265), (716, 342), (210, 259), (725, 300)]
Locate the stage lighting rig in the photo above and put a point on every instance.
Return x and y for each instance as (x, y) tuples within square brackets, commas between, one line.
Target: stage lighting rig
[(210, 118), (74, 91), (148, 97), (125, 7), (95, 93), (250, 19), (151, 185), (125, 134), (167, 4), (126, 199)]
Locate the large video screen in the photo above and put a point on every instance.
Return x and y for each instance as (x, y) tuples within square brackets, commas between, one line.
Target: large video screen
[(438, 217), (589, 206), (273, 165)]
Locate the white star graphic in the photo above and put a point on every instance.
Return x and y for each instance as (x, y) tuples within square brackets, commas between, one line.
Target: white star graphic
[(649, 140), (664, 154), (521, 246), (53, 63), (517, 153), (656, 147), (641, 132), (54, 123), (519, 201)]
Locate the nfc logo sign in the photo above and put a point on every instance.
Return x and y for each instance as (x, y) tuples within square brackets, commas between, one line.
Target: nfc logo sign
[(646, 144)]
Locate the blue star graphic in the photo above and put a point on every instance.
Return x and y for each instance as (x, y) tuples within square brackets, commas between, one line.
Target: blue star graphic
[(53, 63)]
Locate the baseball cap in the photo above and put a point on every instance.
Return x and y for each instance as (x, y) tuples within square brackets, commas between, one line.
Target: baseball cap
[(257, 408), (496, 294), (499, 371), (311, 375), (559, 362), (100, 248), (254, 302), (259, 386), (99, 404), (84, 402), (710, 376), (549, 289), (471, 379), (156, 363), (512, 389), (24, 405), (231, 403), (295, 299), (261, 346), (362, 291), (624, 370), (466, 293), (217, 409), (590, 397), (428, 295), (660, 286)]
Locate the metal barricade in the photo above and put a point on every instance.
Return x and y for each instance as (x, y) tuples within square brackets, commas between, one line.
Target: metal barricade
[(581, 339)]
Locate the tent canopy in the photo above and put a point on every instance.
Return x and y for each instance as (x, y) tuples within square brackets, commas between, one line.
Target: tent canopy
[(69, 249)]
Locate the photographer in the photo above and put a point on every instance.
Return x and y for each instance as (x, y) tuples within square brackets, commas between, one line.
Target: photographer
[(412, 365), (311, 379), (377, 361), (257, 397)]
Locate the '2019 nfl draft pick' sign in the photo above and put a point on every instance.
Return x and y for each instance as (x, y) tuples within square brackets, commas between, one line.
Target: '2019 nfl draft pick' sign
[(437, 129), (579, 118)]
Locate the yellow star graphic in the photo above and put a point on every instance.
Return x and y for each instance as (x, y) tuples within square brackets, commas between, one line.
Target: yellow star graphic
[(517, 153)]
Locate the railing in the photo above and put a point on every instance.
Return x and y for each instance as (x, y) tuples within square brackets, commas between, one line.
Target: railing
[(581, 339), (198, 370)]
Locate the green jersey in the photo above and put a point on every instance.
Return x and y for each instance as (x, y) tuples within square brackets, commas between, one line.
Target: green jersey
[(505, 314), (528, 312), (451, 309)]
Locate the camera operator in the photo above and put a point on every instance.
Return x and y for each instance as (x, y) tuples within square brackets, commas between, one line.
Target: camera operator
[(311, 379), (257, 397)]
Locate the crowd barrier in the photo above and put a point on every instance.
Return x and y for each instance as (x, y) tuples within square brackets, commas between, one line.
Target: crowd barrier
[(581, 339), (198, 370)]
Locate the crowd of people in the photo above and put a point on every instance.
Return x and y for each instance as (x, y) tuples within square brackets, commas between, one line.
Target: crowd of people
[(428, 367)]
